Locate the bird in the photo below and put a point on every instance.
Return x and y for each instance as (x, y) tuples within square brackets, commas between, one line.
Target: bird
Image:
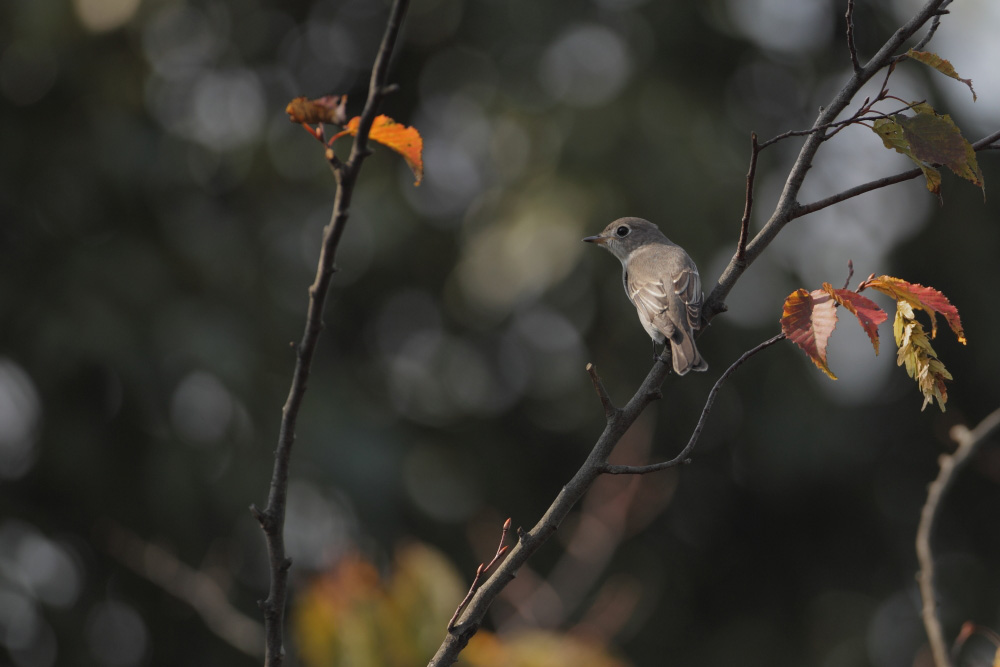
[(663, 284)]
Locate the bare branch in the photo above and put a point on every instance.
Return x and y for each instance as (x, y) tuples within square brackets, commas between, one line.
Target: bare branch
[(272, 517), (850, 273), (709, 402), (850, 37), (741, 247), (919, 46), (950, 464), (609, 408)]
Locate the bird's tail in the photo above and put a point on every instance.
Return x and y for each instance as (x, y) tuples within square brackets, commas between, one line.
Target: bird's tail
[(685, 354)]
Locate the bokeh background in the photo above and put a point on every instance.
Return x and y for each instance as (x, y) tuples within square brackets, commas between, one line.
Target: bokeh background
[(159, 225)]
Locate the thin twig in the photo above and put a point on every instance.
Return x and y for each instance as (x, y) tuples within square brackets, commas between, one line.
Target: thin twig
[(858, 117), (709, 402), (850, 37), (501, 550), (919, 46), (609, 408), (950, 464), (272, 517), (850, 273), (741, 247)]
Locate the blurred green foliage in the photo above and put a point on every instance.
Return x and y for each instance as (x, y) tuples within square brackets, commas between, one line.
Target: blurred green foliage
[(160, 222)]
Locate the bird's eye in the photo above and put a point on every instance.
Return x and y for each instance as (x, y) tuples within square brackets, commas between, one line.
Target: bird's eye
[(622, 231)]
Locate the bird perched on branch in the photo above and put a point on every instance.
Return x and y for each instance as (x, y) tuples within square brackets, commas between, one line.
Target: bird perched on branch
[(662, 283)]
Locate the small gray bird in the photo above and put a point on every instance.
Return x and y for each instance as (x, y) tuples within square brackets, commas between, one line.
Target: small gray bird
[(662, 283)]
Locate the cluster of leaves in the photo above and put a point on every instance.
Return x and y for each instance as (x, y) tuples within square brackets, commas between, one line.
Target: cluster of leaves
[(809, 318), (351, 616), (930, 139), (330, 110)]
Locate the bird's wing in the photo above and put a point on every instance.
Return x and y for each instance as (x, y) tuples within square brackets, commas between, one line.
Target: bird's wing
[(652, 300), (687, 286)]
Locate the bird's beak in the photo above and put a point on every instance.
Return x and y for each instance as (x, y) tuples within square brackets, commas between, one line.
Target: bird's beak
[(600, 240)]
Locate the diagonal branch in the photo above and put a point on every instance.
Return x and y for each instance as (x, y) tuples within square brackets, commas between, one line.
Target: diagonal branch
[(272, 517), (950, 464)]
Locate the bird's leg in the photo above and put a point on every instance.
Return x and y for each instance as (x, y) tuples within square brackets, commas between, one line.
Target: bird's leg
[(658, 357)]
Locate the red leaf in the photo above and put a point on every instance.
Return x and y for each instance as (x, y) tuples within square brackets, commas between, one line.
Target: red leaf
[(867, 311), (918, 296), (808, 319)]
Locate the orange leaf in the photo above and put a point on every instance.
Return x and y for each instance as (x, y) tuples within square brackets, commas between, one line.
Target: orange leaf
[(918, 296), (326, 109), (808, 319), (404, 140), (867, 311)]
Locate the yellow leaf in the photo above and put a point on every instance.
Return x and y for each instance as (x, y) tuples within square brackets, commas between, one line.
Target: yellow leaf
[(941, 65)]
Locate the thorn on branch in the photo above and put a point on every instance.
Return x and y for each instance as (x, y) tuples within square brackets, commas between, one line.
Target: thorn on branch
[(390, 89)]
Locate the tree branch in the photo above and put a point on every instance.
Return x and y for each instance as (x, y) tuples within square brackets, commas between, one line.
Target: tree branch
[(696, 434), (472, 616), (741, 247), (787, 205), (850, 37), (950, 464), (602, 393), (272, 517)]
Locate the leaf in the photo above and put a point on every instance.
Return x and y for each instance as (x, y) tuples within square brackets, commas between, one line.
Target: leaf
[(935, 139), (893, 137), (326, 109), (808, 319), (867, 311), (925, 298), (919, 358), (941, 65), (404, 140)]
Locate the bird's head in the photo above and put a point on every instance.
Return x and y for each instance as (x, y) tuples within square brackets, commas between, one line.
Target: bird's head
[(624, 235)]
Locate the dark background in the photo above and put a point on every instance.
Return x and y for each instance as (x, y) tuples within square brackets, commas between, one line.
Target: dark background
[(159, 225)]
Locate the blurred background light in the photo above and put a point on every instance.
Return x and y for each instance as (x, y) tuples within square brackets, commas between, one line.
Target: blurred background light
[(20, 416)]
